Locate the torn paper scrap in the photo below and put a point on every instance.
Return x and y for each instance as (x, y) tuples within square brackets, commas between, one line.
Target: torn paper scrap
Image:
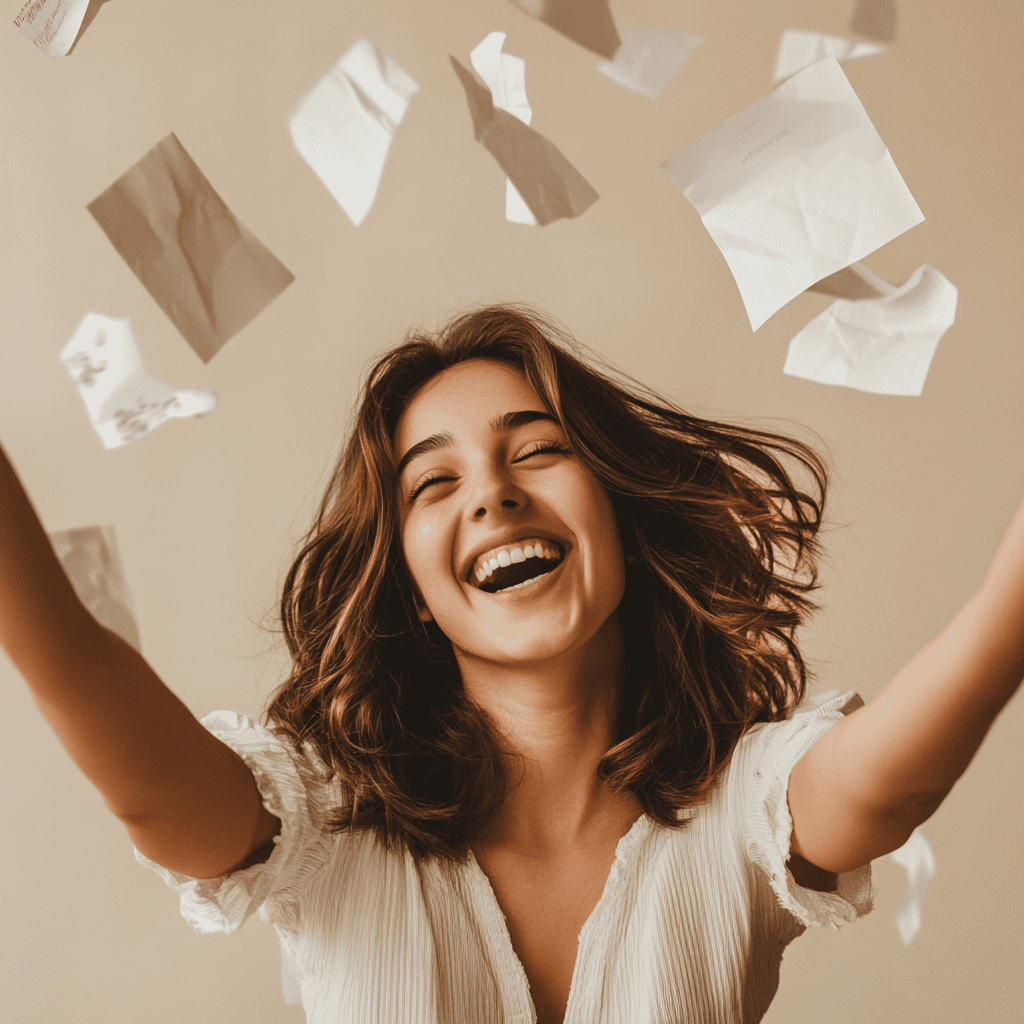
[(799, 50), (587, 22), (916, 856), (90, 560), (123, 403), (794, 188), (549, 185), (53, 25), (883, 345), (505, 76), (875, 19), (649, 59), (344, 125), (207, 272), (853, 282)]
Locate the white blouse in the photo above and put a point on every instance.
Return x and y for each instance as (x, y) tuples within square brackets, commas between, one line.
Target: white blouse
[(690, 927)]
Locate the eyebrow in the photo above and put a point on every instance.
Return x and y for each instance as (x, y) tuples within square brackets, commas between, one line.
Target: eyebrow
[(500, 425)]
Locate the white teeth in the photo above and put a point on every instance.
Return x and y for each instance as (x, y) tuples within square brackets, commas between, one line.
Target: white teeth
[(508, 556)]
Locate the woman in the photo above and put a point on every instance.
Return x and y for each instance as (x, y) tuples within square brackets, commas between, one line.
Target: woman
[(540, 755)]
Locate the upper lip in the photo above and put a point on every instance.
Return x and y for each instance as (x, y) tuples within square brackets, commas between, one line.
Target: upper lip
[(507, 539)]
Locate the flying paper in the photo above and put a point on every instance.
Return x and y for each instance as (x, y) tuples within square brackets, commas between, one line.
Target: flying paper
[(587, 22), (344, 125), (649, 59), (916, 856), (90, 560), (881, 344), (794, 188), (207, 272), (52, 25), (799, 50), (505, 76), (875, 19), (123, 403), (549, 185)]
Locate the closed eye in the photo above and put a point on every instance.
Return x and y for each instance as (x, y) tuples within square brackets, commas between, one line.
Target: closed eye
[(544, 448)]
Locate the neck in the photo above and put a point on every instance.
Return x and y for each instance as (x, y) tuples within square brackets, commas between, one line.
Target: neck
[(558, 719)]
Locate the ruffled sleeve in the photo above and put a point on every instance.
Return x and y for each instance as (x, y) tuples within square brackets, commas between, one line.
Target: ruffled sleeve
[(771, 752), (292, 790)]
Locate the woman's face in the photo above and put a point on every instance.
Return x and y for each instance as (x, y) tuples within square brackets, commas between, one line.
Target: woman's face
[(487, 485)]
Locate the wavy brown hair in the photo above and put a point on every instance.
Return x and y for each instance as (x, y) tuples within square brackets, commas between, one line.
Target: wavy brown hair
[(721, 543)]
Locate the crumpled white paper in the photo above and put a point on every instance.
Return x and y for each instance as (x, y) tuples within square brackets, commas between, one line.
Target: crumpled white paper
[(505, 76), (799, 50), (344, 125), (52, 24), (123, 403), (916, 856), (883, 345), (91, 562), (794, 188), (649, 59)]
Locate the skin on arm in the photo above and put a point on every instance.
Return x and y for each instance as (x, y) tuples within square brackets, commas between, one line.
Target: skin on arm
[(864, 786), (188, 801)]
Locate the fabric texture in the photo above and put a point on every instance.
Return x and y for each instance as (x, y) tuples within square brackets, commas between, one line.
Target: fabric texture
[(691, 925)]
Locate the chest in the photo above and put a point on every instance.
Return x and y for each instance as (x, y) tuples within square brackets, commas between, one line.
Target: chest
[(546, 903)]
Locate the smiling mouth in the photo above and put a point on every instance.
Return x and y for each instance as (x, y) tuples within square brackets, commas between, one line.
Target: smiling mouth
[(520, 571)]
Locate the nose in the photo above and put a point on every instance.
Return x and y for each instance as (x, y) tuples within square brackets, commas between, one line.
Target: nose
[(497, 491)]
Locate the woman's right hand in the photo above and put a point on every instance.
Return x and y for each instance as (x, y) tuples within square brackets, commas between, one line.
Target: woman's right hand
[(189, 802)]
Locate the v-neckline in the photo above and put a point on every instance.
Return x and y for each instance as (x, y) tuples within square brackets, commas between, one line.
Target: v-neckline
[(518, 994)]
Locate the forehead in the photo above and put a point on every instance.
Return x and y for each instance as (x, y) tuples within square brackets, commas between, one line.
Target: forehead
[(464, 397)]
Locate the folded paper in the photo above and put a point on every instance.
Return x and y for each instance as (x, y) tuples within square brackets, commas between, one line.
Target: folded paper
[(882, 344), (207, 272), (549, 185), (875, 19), (123, 403), (794, 188), (649, 59), (587, 22), (799, 50), (53, 25), (90, 560), (505, 76), (916, 856), (344, 125)]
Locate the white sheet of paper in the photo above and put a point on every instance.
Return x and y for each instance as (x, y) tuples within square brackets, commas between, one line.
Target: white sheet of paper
[(90, 560), (52, 24), (916, 856), (123, 403), (794, 188), (882, 345), (649, 59), (344, 125), (799, 50), (505, 76)]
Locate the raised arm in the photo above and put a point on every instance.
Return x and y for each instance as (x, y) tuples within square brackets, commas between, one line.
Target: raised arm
[(861, 790), (188, 801)]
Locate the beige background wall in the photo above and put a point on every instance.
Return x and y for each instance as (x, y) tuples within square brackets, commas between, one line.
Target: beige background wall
[(205, 511)]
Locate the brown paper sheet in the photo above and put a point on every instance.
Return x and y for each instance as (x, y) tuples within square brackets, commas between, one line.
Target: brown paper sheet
[(550, 186), (587, 22), (90, 560), (875, 19), (207, 272)]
